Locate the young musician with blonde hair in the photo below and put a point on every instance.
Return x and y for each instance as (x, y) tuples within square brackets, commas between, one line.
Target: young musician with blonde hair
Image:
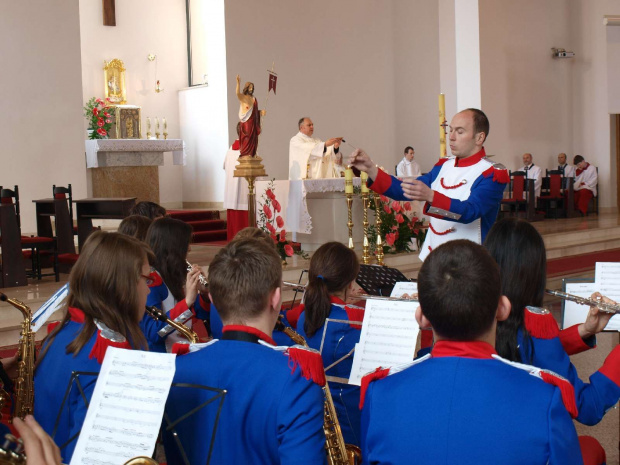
[(273, 406), (107, 297), (332, 272)]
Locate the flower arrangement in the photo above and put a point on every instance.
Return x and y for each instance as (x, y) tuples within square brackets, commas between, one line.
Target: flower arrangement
[(99, 115), (397, 228), (272, 222)]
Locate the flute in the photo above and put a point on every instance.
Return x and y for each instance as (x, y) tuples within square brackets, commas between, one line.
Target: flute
[(602, 306), (413, 298), (201, 277)]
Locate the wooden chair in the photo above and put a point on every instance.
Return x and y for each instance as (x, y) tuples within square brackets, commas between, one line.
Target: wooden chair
[(516, 191), (33, 244), (552, 197), (63, 207)]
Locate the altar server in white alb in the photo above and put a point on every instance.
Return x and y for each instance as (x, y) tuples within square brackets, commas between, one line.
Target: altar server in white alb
[(311, 158), (408, 167), (235, 193), (532, 172), (462, 192), (586, 179)]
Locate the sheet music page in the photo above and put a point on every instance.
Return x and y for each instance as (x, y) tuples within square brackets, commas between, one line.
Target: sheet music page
[(607, 279), (575, 313), (46, 310), (388, 338), (404, 287), (126, 409)]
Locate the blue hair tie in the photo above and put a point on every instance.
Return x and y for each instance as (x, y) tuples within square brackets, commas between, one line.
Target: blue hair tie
[(320, 276)]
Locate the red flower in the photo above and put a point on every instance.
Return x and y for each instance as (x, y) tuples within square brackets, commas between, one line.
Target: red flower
[(271, 229), (99, 101), (95, 112), (384, 198), (267, 211), (274, 238), (108, 99), (283, 236), (108, 121), (414, 219), (288, 250), (399, 218), (276, 205), (396, 206), (407, 206), (100, 122), (387, 209), (416, 231), (106, 114), (102, 132), (279, 221), (270, 194), (390, 238)]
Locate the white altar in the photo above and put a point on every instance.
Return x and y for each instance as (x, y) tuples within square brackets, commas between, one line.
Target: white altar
[(129, 167), (315, 210)]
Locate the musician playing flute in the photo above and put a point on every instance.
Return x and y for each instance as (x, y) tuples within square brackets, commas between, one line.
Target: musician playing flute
[(463, 404), (273, 408), (462, 192)]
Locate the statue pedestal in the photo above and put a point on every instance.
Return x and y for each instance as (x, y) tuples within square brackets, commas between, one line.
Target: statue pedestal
[(128, 167)]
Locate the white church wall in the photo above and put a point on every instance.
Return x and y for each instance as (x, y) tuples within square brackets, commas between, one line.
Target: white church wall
[(142, 27), (526, 93), (335, 63), (41, 93)]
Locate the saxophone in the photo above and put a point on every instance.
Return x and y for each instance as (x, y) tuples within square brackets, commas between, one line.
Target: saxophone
[(338, 453), (24, 384), (159, 315)]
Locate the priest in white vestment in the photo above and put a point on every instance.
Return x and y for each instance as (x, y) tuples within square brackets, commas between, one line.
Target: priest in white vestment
[(235, 194), (311, 158)]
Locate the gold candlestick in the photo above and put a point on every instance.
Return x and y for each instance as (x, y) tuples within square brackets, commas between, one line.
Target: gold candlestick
[(365, 203), (348, 192), (165, 129), (157, 127), (250, 168), (148, 128), (378, 226)]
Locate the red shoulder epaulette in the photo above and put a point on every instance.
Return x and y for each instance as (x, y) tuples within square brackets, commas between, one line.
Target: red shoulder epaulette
[(566, 389), (102, 343), (500, 175), (540, 323), (354, 314), (156, 278), (52, 326), (441, 161), (309, 361), (379, 373)]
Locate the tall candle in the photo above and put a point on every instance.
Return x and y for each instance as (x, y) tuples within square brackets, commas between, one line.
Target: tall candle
[(148, 124), (442, 130), (157, 124), (348, 181), (364, 179), (165, 125)]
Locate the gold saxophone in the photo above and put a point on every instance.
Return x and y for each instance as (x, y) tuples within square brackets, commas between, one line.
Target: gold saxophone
[(159, 315), (12, 451), (24, 384), (338, 453)]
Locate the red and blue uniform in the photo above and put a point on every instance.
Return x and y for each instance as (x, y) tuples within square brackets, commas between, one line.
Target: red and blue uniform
[(161, 297), (54, 372), (468, 192), (340, 339), (272, 412), (464, 404), (549, 349)]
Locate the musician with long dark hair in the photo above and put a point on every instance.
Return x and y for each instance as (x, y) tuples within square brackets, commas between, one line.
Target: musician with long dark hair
[(173, 289), (333, 269), (531, 335), (107, 297)]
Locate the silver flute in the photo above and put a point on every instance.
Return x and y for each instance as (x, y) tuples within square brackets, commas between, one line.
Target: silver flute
[(602, 306), (201, 277)]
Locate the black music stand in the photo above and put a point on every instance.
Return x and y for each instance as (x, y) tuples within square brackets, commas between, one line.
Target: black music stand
[(379, 280)]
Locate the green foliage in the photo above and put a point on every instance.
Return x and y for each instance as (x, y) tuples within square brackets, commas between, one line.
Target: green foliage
[(99, 115), (398, 226)]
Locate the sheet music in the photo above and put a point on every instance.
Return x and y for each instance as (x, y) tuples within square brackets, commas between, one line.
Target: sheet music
[(388, 337), (126, 408), (404, 287), (607, 279), (46, 310), (575, 313)]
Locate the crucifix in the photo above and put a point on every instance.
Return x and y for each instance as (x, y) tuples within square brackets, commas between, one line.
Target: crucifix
[(109, 14)]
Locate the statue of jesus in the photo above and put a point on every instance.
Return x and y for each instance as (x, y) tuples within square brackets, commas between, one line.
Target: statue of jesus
[(249, 116)]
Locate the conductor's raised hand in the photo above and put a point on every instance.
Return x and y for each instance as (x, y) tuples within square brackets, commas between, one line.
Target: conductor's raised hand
[(417, 190), (360, 160)]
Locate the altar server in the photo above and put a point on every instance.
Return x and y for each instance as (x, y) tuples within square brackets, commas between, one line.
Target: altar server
[(311, 158), (531, 334), (333, 269), (586, 179), (408, 167), (462, 193), (107, 297), (173, 289), (463, 403), (272, 410)]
